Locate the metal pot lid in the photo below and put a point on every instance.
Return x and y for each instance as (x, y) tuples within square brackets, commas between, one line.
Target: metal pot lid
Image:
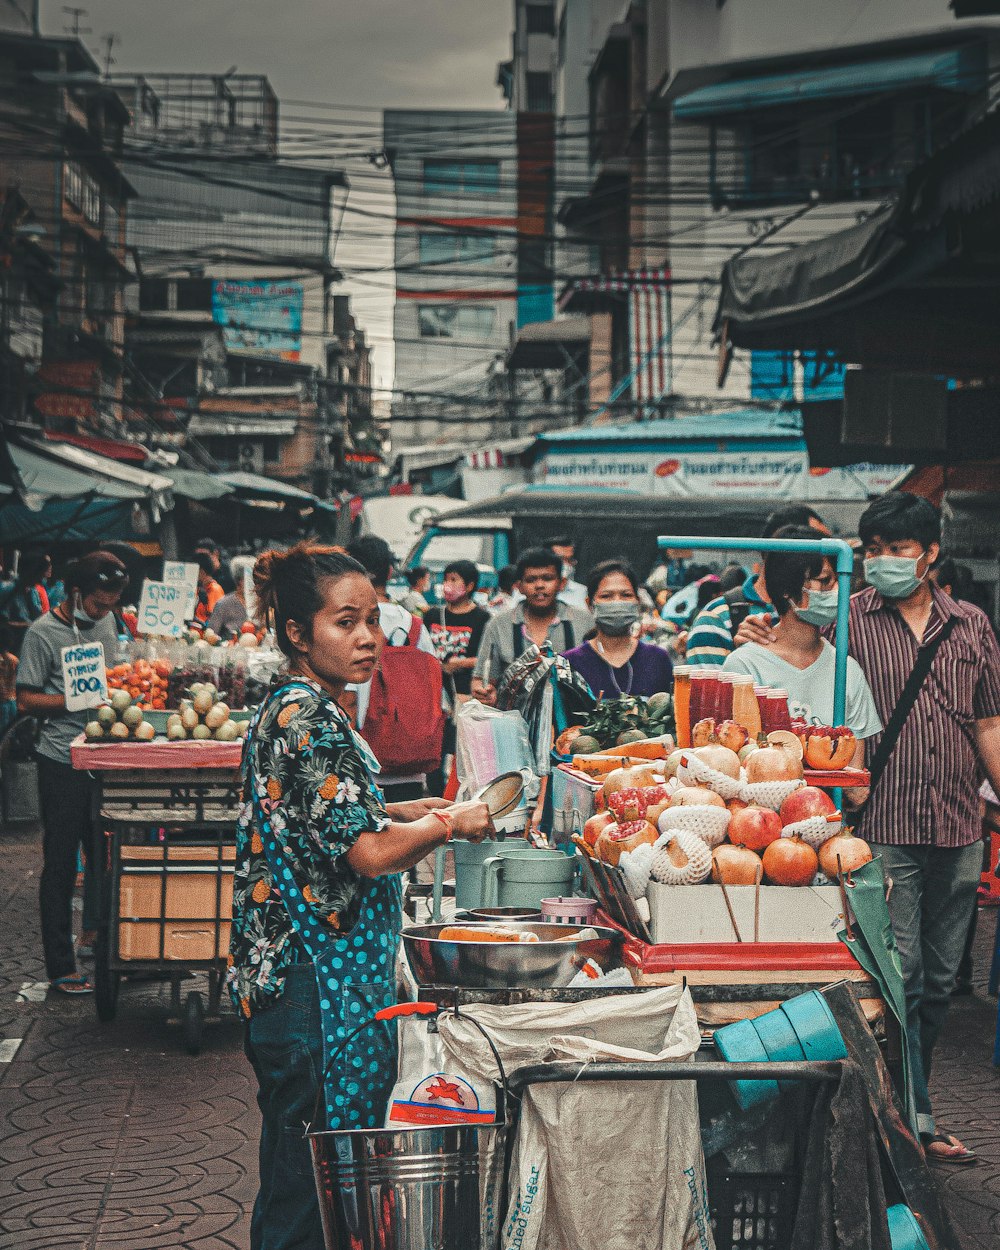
[(502, 794)]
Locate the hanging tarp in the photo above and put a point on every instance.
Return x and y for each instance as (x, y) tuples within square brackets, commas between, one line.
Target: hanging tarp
[(67, 521)]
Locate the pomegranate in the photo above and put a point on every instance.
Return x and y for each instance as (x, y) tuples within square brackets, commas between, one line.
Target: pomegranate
[(722, 759), (564, 743), (733, 735), (703, 733), (695, 796), (754, 827), (772, 763), (616, 839), (735, 865), (790, 861), (843, 853), (805, 802), (595, 826), (828, 749), (632, 804), (628, 778)]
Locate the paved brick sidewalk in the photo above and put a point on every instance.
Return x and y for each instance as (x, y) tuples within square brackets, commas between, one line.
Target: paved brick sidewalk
[(111, 1136)]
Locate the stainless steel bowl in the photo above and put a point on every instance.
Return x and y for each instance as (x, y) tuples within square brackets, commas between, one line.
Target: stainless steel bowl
[(545, 964)]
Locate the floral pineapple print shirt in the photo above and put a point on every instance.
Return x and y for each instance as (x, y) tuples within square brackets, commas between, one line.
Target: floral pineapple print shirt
[(306, 772)]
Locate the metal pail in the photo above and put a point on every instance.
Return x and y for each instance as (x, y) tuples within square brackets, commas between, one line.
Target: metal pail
[(411, 1189)]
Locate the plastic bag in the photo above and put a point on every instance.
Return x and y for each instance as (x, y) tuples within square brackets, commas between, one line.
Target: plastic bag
[(489, 742), (429, 1091), (650, 1181)]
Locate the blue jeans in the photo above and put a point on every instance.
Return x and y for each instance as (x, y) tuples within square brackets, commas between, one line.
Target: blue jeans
[(284, 1044), (933, 889)]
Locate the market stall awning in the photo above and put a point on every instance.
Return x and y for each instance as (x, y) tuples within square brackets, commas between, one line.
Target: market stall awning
[(70, 520), (41, 477), (193, 484), (49, 465), (252, 487), (956, 69)]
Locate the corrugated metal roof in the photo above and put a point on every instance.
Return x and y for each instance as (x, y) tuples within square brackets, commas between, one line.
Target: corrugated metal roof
[(708, 427)]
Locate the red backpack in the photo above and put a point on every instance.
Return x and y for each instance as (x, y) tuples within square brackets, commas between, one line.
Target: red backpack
[(404, 724)]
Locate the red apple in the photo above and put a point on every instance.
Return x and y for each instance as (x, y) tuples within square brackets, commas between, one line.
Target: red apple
[(805, 802), (754, 827)]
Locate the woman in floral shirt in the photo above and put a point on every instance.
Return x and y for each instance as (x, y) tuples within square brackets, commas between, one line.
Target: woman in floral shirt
[(316, 903)]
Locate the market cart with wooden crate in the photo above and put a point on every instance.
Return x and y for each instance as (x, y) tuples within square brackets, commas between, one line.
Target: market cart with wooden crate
[(168, 810)]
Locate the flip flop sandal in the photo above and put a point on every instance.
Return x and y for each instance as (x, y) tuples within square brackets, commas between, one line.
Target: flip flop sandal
[(960, 1155), (76, 983)]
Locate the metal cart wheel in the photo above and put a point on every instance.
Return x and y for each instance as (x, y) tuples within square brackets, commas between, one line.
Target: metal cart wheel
[(106, 982), (193, 1022)]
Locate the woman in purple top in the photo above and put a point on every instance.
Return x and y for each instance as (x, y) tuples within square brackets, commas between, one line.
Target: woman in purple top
[(613, 662)]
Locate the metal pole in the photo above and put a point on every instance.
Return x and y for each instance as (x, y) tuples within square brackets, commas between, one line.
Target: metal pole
[(843, 560)]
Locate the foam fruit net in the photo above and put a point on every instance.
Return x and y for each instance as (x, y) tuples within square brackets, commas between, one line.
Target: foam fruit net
[(769, 793), (708, 823), (815, 830), (635, 866), (697, 771), (698, 867)]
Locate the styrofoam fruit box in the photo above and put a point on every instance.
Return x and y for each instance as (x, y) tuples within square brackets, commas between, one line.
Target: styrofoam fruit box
[(697, 913)]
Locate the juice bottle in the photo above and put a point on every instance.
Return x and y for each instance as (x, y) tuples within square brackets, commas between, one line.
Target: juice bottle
[(682, 704), (724, 698), (699, 687), (746, 710), (778, 715)]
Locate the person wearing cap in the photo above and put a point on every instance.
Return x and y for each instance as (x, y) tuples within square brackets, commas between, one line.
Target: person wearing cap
[(95, 584)]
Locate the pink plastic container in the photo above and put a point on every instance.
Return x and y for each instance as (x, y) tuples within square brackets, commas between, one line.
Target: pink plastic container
[(569, 910)]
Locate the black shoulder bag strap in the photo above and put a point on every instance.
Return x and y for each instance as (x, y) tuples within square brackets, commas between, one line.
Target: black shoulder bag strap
[(902, 710)]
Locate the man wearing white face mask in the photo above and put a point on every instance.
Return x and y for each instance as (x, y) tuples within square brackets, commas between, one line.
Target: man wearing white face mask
[(934, 668), (803, 589)]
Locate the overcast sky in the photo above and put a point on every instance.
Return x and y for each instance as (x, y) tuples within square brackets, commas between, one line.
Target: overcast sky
[(372, 53)]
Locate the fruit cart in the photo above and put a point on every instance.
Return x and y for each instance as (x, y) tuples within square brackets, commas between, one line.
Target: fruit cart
[(168, 810)]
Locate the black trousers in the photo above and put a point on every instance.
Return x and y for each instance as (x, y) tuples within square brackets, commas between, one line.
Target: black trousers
[(66, 800)]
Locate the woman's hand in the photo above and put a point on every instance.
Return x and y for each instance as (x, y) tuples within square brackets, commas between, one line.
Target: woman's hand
[(471, 821), (415, 809)]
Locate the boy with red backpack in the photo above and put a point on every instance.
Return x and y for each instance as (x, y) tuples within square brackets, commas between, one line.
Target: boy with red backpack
[(399, 712)]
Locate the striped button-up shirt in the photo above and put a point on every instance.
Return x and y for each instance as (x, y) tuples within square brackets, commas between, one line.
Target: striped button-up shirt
[(929, 793)]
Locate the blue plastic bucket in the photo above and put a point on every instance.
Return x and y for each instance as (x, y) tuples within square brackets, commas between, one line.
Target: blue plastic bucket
[(815, 1026), (740, 1043), (904, 1231)]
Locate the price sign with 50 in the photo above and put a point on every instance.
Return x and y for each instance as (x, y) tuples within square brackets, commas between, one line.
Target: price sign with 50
[(161, 608)]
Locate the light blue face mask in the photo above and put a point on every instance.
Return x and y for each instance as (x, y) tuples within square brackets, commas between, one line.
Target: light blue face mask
[(894, 577), (821, 608)]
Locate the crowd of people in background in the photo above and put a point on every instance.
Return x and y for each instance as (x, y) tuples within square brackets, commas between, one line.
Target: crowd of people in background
[(621, 636)]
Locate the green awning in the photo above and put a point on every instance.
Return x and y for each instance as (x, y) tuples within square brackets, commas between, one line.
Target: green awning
[(66, 520), (959, 69), (44, 478), (195, 485)]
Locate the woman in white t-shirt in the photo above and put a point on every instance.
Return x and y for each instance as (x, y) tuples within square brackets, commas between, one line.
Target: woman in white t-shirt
[(803, 589)]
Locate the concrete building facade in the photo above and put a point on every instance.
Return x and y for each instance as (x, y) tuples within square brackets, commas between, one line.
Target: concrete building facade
[(456, 265)]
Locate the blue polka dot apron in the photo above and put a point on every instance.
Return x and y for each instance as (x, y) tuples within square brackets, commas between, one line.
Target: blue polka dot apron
[(355, 975)]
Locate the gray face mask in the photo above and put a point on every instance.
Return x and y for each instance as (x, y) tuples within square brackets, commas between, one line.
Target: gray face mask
[(616, 619)]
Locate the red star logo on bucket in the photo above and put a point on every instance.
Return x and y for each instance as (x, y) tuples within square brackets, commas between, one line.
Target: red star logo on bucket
[(667, 468)]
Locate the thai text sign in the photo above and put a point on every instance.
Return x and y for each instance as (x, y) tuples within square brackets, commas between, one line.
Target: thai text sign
[(162, 609), (85, 676)]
